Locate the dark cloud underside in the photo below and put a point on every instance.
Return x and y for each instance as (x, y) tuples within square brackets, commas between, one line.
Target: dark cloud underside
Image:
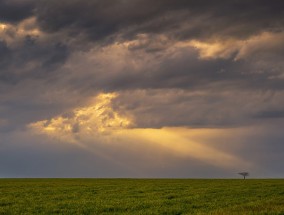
[(15, 10), (181, 19)]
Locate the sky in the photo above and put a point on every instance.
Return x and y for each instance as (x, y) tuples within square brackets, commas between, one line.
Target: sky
[(141, 89)]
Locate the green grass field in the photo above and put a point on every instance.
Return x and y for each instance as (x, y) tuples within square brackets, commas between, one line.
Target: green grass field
[(141, 196)]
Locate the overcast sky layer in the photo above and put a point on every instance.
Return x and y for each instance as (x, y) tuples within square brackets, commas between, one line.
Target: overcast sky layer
[(140, 88)]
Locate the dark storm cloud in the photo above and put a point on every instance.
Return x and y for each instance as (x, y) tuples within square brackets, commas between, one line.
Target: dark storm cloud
[(15, 10), (113, 20), (27, 73), (182, 19), (198, 108), (184, 70), (30, 59), (178, 19)]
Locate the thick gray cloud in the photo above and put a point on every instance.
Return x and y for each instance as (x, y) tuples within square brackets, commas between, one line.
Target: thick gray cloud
[(15, 11), (30, 60), (230, 108), (187, 19)]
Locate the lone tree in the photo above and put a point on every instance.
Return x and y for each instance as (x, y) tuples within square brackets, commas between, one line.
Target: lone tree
[(244, 174)]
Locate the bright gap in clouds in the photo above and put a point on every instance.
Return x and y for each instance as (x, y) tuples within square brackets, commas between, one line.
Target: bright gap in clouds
[(98, 128)]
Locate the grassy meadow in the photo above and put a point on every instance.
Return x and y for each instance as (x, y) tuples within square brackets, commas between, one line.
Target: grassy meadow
[(141, 196)]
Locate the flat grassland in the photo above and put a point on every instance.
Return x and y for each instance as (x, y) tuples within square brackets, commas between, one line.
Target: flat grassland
[(141, 196)]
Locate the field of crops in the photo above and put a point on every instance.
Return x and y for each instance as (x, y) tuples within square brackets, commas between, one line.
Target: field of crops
[(141, 196)]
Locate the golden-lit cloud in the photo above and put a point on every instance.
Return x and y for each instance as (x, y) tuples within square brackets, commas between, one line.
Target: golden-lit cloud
[(3, 26), (215, 49), (98, 117), (15, 33), (98, 123), (242, 48)]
